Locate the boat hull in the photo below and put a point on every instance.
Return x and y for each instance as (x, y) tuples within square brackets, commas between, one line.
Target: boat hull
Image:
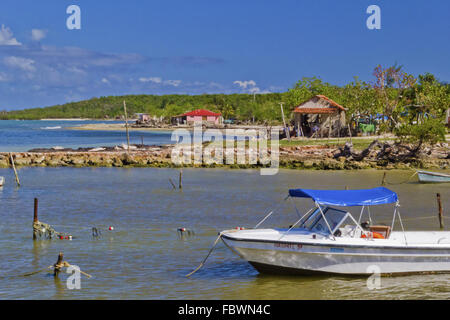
[(433, 177), (2, 181), (305, 259)]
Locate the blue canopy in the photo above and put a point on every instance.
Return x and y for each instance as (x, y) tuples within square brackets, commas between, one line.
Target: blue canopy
[(348, 198)]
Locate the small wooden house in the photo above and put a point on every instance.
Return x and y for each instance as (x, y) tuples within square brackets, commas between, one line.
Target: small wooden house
[(142, 117), (196, 116), (319, 117)]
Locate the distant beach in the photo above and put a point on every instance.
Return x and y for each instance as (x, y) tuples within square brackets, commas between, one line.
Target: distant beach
[(115, 127)]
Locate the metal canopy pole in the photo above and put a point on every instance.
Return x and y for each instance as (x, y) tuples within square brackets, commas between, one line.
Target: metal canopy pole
[(299, 220), (401, 222), (270, 213), (323, 215), (360, 215)]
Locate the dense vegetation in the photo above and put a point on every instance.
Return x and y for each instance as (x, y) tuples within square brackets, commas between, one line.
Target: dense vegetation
[(234, 106), (394, 99)]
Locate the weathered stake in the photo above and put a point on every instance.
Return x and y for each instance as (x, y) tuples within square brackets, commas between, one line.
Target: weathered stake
[(180, 182), (441, 215), (126, 124), (173, 184), (35, 219), (383, 182), (14, 168), (58, 265)]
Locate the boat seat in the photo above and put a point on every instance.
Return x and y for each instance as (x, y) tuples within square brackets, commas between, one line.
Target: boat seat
[(383, 230)]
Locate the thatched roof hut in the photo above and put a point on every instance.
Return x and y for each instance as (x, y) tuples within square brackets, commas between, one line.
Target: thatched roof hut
[(319, 116)]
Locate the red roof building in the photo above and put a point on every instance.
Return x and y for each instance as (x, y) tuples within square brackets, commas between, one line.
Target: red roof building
[(199, 115)]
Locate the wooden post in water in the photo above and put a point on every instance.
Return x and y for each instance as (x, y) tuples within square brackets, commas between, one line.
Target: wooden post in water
[(35, 218), (173, 184), (14, 168), (441, 215), (126, 124), (180, 182), (383, 182), (58, 265)]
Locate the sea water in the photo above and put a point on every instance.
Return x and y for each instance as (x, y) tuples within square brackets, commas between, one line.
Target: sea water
[(144, 257)]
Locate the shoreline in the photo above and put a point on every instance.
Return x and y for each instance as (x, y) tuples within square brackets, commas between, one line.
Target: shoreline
[(114, 127), (298, 157), (133, 127)]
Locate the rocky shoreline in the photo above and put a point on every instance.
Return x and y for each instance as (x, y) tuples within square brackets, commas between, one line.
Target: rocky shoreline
[(296, 157)]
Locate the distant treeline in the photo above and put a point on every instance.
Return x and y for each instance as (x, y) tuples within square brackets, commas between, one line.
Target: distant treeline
[(393, 93), (232, 106)]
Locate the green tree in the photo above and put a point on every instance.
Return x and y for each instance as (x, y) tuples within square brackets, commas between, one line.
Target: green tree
[(391, 85), (430, 131)]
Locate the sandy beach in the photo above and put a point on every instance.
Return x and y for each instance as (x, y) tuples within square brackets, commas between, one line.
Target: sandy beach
[(115, 127)]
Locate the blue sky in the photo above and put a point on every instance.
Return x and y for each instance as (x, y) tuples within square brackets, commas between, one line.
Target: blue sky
[(195, 47)]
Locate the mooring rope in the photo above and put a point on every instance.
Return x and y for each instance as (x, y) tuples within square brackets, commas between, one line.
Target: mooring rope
[(35, 272), (210, 251), (402, 182), (420, 218), (56, 266), (207, 256)]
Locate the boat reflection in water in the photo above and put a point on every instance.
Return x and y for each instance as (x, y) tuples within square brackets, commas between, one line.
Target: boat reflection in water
[(330, 240)]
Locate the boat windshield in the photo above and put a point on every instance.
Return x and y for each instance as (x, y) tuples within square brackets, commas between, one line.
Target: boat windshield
[(316, 222)]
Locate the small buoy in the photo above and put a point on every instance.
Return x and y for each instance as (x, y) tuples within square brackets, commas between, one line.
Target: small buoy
[(111, 228), (183, 231), (240, 228)]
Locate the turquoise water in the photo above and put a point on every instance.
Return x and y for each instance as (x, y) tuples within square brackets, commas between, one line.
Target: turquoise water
[(19, 136), (144, 258)]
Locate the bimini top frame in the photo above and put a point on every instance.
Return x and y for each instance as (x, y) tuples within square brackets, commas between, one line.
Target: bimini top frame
[(344, 198)]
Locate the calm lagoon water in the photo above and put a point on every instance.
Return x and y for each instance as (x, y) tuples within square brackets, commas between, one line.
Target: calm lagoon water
[(143, 258), (19, 136)]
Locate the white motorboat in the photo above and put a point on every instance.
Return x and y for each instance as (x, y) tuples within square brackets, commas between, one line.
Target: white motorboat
[(2, 181), (433, 177), (330, 240)]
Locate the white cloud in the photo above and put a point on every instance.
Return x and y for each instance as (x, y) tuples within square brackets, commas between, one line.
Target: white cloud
[(151, 79), (249, 86), (158, 80), (20, 63), (106, 81), (245, 84), (38, 34), (6, 37), (174, 83)]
